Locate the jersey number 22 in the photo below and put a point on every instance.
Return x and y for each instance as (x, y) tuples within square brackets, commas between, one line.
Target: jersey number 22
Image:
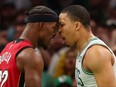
[(3, 77)]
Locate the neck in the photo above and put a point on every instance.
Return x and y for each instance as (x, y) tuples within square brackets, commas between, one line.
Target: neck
[(83, 41), (30, 35)]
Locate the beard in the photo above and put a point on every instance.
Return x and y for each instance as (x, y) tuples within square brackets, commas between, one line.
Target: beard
[(42, 44)]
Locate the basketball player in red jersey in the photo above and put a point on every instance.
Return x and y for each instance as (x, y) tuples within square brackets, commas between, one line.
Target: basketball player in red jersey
[(19, 62)]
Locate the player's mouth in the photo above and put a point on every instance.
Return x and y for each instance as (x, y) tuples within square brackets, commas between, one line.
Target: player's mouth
[(52, 36), (63, 38)]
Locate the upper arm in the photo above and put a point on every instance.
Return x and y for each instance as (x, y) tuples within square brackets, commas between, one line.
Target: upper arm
[(30, 62), (99, 61)]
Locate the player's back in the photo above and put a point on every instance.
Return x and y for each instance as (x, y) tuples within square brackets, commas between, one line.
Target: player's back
[(10, 76)]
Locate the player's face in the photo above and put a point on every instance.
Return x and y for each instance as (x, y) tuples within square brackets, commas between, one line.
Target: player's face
[(70, 60), (66, 29), (48, 33)]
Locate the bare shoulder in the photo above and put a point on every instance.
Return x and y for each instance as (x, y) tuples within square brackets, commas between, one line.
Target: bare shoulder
[(29, 57), (97, 56), (97, 51)]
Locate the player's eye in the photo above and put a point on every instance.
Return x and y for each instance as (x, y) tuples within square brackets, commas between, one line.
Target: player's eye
[(61, 25)]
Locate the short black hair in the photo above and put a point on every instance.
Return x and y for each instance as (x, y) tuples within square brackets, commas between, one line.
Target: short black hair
[(78, 13), (41, 10)]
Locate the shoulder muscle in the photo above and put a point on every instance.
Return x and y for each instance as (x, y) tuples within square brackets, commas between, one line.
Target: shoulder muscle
[(97, 56), (29, 57)]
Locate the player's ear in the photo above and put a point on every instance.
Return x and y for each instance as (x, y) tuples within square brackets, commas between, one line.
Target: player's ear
[(41, 24), (77, 25)]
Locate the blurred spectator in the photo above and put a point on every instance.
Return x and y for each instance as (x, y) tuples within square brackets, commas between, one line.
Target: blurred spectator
[(66, 65), (8, 12), (63, 81), (98, 10), (65, 3), (10, 33), (103, 32), (19, 4), (58, 5), (55, 59), (97, 14), (19, 27), (19, 23), (37, 2), (85, 3), (113, 38), (3, 40), (20, 16), (112, 16), (93, 27), (102, 4), (55, 50), (1, 2), (22, 4), (113, 3), (53, 4), (111, 22)]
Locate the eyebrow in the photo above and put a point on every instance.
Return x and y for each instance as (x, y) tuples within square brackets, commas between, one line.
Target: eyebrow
[(60, 22)]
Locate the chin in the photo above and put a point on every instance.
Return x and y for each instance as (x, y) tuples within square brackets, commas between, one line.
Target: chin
[(67, 45)]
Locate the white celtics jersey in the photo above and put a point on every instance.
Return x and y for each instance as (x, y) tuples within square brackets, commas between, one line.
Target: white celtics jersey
[(84, 78)]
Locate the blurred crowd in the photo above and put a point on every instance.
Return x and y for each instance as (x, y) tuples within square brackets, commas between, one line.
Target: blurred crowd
[(59, 60)]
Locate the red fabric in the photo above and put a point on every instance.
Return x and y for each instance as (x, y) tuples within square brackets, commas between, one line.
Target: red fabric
[(9, 73)]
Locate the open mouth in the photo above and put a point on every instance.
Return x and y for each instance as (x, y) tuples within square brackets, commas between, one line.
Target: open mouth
[(63, 39), (52, 36)]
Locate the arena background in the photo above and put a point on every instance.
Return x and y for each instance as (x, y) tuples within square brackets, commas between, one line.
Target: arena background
[(103, 24)]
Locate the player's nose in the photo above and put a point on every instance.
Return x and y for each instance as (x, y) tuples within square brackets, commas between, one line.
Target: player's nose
[(59, 31)]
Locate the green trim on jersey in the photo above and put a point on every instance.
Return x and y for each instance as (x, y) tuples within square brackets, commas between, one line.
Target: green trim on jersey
[(86, 72), (94, 38)]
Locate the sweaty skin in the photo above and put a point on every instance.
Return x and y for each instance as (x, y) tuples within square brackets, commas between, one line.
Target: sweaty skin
[(98, 60), (32, 65)]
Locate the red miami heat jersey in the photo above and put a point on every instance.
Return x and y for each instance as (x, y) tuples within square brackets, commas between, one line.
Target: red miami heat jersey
[(10, 75)]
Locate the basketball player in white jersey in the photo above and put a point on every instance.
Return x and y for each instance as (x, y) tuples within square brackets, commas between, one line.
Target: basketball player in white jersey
[(95, 63)]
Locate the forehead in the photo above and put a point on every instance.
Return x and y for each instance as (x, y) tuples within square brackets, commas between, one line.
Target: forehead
[(63, 17), (51, 23)]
